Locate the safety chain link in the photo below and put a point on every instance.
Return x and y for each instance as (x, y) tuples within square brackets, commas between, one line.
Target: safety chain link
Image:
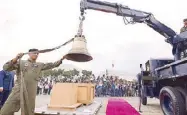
[(80, 29)]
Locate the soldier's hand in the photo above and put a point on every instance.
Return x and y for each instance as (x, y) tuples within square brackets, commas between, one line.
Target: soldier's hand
[(20, 55), (64, 57), (1, 89)]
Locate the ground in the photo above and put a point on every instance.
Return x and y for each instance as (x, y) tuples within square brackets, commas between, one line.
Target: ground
[(153, 107)]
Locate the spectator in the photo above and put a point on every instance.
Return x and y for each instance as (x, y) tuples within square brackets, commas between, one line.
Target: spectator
[(46, 88), (50, 87), (6, 85)]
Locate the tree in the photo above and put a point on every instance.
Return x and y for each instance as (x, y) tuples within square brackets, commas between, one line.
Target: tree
[(60, 71), (67, 73), (75, 72), (86, 73), (48, 72)]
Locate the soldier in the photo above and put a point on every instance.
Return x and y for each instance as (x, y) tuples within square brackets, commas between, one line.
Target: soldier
[(31, 71), (184, 28), (6, 85)]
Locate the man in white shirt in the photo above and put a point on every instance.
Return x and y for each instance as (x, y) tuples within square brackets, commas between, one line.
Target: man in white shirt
[(141, 67)]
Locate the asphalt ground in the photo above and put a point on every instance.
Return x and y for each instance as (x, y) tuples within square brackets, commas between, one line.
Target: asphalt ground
[(152, 108)]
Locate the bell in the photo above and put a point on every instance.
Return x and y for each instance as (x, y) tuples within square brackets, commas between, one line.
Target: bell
[(79, 52)]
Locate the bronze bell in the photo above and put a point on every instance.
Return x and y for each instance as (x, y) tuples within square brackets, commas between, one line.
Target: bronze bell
[(79, 52)]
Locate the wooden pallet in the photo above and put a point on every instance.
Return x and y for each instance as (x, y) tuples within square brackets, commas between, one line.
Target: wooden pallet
[(88, 103), (67, 108), (94, 107)]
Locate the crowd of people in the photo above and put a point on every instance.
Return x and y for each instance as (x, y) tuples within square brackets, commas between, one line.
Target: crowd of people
[(104, 85), (44, 87), (115, 87)]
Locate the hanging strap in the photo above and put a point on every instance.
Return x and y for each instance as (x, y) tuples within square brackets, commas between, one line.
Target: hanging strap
[(24, 101), (52, 49)]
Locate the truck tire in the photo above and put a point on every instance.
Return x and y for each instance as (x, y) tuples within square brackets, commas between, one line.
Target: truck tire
[(171, 101), (183, 92)]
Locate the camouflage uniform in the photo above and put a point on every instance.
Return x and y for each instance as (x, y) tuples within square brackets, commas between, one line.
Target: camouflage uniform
[(183, 29), (31, 73)]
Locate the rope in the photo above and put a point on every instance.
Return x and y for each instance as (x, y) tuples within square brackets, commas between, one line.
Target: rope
[(24, 99), (52, 49)]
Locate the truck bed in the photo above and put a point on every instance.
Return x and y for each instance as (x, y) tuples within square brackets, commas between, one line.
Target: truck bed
[(172, 70)]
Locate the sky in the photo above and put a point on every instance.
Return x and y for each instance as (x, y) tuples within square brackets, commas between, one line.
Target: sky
[(41, 24)]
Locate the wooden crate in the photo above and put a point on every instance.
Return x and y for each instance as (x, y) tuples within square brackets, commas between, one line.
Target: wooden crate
[(69, 96), (63, 95), (86, 93)]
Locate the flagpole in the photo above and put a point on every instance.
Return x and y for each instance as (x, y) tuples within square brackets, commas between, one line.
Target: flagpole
[(113, 68), (112, 63)]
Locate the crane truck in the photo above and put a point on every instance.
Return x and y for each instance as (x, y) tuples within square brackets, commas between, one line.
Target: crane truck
[(165, 79)]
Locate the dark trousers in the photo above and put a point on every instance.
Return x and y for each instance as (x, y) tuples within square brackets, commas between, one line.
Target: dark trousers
[(46, 91), (104, 91), (3, 97), (38, 90), (49, 92)]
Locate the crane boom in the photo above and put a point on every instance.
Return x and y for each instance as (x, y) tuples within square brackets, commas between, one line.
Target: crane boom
[(136, 16), (178, 41)]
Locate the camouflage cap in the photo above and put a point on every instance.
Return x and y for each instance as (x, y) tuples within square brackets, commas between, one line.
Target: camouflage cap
[(185, 20)]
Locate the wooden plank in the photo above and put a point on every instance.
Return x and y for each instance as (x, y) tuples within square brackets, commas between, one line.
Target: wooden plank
[(61, 107), (87, 103), (63, 94), (86, 93)]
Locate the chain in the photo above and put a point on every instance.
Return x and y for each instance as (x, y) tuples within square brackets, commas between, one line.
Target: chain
[(80, 29)]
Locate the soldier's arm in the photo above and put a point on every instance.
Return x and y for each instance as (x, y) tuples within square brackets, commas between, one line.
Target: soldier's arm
[(181, 30), (47, 66), (11, 65)]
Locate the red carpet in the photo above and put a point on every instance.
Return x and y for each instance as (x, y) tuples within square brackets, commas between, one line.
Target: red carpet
[(120, 107)]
